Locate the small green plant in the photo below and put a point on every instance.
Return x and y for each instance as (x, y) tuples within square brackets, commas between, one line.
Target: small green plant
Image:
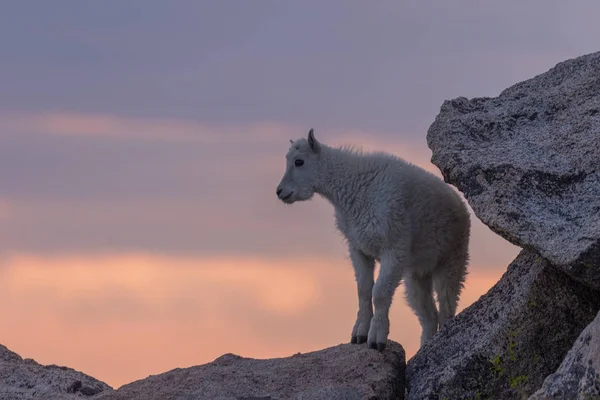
[(497, 366), (501, 370), (512, 344), (518, 381), (588, 265)]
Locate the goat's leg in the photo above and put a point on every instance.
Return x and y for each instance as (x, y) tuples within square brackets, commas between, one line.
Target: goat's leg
[(390, 275), (449, 279), (364, 267), (419, 295)]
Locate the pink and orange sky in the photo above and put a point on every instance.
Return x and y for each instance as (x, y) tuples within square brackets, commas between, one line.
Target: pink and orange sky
[(141, 144)]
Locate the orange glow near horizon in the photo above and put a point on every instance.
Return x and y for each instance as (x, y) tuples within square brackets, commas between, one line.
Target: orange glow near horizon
[(121, 318)]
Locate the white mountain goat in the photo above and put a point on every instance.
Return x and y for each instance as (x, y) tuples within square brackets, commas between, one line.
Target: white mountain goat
[(393, 212)]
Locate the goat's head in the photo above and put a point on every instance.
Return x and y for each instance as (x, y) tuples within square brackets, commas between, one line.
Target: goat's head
[(302, 170)]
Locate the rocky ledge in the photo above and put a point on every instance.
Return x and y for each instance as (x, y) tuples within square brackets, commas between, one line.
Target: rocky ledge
[(25, 379), (343, 372), (349, 372)]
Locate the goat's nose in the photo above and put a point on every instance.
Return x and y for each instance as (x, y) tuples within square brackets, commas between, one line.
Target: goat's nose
[(279, 191)]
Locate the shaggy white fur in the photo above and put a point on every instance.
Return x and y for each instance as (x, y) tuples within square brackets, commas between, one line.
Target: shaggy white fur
[(390, 211)]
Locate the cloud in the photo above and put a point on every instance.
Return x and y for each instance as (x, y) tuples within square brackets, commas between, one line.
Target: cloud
[(114, 127), (123, 316), (243, 138)]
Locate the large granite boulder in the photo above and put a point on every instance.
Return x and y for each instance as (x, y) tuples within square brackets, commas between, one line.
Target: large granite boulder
[(343, 372), (505, 344), (27, 380), (578, 377), (528, 162)]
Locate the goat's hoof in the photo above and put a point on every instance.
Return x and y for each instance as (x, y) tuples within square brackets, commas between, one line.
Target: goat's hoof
[(358, 339), (377, 346)]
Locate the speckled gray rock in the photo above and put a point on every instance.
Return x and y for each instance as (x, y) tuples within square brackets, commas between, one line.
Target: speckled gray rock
[(505, 344), (528, 162), (578, 377), (343, 372), (27, 380)]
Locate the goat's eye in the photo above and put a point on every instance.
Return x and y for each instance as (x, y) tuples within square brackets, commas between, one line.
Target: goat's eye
[(299, 163)]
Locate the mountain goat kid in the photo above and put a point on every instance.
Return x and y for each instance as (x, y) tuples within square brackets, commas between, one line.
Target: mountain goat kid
[(392, 212)]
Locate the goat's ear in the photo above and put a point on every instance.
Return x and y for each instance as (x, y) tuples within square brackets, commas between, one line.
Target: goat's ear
[(312, 142), (291, 141)]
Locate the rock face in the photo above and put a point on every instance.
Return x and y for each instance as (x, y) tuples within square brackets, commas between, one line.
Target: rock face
[(528, 162), (27, 380), (504, 345), (344, 372), (578, 377)]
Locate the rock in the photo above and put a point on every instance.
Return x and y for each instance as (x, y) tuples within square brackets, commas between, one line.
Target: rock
[(27, 380), (527, 162), (507, 342), (578, 377), (343, 372)]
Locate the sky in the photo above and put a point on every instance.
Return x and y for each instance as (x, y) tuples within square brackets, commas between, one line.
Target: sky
[(141, 143)]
